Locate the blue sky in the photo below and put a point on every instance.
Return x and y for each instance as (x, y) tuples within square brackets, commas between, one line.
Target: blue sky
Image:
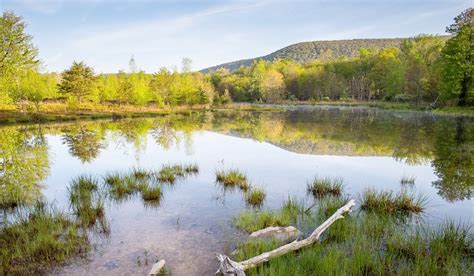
[(106, 33)]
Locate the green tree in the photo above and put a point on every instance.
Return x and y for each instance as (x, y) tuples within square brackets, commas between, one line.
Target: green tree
[(458, 66), (34, 87), (17, 52), (273, 86), (78, 81)]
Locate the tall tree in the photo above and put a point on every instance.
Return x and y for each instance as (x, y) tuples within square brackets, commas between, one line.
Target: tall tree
[(17, 52), (78, 81), (458, 66)]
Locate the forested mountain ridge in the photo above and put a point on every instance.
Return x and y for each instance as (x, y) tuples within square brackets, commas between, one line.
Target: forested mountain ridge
[(307, 51)]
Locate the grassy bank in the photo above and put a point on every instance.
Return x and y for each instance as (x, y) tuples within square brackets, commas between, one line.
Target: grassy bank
[(452, 110), (372, 240), (57, 111)]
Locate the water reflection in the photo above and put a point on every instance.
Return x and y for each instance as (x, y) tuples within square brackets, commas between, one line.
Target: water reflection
[(409, 137), (24, 164)]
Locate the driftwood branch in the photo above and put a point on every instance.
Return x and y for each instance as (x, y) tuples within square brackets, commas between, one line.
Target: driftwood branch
[(229, 267), (157, 267)]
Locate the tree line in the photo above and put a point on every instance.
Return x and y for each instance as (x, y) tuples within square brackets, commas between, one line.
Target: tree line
[(425, 70)]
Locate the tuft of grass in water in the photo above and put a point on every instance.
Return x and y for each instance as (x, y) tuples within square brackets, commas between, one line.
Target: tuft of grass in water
[(86, 202), (255, 197), (167, 174), (232, 178), (407, 180), (191, 168), (321, 187), (251, 221), (151, 193), (140, 174), (38, 239), (388, 203), (120, 186)]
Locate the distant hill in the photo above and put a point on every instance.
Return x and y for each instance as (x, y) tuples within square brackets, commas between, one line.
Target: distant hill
[(306, 51)]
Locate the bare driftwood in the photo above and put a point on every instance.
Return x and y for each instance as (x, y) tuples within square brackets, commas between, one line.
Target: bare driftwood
[(157, 267), (229, 267)]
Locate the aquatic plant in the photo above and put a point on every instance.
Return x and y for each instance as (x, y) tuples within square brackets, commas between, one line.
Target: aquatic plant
[(167, 174), (251, 220), (321, 187), (119, 185), (150, 193), (232, 178), (369, 243), (37, 239), (386, 202), (255, 196), (140, 174), (86, 203)]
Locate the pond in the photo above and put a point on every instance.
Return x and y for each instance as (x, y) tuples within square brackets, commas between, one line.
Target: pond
[(280, 151)]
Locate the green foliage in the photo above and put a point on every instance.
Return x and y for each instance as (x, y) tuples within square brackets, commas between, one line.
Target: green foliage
[(458, 68), (78, 81), (232, 178), (366, 243), (251, 221), (38, 239), (387, 203), (255, 197)]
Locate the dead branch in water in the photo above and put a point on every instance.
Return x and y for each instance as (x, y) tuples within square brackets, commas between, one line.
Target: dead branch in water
[(229, 267)]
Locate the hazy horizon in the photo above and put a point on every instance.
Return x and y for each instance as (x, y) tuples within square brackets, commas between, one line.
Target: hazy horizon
[(105, 34)]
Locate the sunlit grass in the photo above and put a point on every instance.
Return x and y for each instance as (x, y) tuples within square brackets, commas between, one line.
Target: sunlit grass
[(86, 202), (321, 187), (251, 221), (255, 196), (232, 178), (38, 239), (151, 193), (363, 243), (386, 202)]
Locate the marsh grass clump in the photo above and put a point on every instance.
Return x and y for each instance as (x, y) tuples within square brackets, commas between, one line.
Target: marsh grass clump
[(232, 178), (119, 185), (37, 239), (151, 193), (167, 174), (408, 180), (191, 168), (251, 221), (86, 202), (255, 197), (321, 187), (388, 203), (141, 174)]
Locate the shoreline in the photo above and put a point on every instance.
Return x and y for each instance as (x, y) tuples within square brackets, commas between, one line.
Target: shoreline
[(56, 112)]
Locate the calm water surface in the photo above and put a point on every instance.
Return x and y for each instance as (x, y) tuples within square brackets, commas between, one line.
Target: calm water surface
[(279, 151)]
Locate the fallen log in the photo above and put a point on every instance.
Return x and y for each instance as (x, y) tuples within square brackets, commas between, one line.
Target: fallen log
[(157, 267), (229, 267)]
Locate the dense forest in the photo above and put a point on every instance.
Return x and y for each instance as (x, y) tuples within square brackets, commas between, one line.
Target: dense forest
[(429, 71), (311, 50)]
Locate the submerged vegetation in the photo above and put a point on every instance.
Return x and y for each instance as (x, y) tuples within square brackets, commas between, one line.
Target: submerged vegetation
[(321, 187)]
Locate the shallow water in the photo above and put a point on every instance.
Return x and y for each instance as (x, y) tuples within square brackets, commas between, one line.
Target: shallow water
[(279, 151)]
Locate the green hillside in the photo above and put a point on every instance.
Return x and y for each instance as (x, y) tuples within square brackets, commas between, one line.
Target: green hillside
[(306, 51)]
